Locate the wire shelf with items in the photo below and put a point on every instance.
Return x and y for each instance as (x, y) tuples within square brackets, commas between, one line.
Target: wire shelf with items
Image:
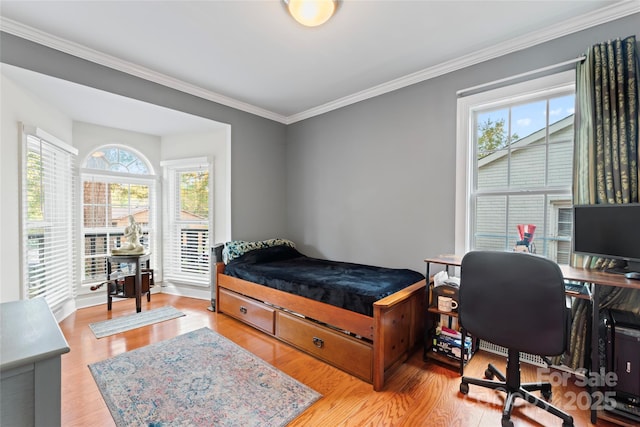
[(444, 339)]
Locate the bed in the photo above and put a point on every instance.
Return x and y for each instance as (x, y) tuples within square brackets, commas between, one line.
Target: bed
[(365, 320)]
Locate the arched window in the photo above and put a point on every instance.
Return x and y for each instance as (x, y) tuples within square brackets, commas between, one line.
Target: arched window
[(117, 181), (118, 159)]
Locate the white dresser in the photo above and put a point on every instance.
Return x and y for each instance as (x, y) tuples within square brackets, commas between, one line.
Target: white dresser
[(31, 344)]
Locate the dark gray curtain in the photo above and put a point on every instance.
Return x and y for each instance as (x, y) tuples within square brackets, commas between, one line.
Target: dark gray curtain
[(605, 159)]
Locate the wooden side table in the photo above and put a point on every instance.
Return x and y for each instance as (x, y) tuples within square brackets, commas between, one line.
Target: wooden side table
[(141, 261)]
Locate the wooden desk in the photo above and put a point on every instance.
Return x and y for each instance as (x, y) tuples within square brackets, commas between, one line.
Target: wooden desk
[(598, 277), (140, 261), (30, 351), (595, 278)]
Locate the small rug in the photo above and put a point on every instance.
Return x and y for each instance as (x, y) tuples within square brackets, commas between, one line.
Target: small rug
[(198, 379), (133, 321)]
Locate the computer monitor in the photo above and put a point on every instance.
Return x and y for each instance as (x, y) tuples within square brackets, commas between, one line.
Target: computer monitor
[(609, 231)]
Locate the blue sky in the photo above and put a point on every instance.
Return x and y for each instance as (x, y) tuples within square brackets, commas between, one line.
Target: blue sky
[(531, 117)]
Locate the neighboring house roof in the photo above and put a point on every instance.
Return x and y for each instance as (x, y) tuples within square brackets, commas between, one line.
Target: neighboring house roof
[(527, 140), (121, 216), (123, 212)]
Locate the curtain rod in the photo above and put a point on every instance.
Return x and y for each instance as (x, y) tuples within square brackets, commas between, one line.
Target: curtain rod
[(462, 92)]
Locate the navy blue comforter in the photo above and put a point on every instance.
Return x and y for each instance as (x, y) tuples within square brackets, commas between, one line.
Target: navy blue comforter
[(354, 287)]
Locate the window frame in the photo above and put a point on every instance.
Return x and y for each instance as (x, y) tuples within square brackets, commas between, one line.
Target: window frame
[(150, 231), (546, 87), (173, 271)]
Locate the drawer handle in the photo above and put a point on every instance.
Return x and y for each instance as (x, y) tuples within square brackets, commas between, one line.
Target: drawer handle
[(318, 342), (243, 309)]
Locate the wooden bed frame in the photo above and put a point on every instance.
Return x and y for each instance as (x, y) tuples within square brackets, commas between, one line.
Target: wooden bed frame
[(367, 347)]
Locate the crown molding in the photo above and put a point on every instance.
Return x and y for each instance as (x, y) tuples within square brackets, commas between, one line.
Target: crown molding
[(601, 16), (83, 52)]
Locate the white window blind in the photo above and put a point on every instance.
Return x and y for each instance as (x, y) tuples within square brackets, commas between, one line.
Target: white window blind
[(107, 202), (48, 241), (187, 221)]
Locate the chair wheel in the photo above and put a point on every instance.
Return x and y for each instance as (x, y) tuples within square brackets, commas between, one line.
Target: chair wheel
[(506, 422), (464, 388), (488, 374)]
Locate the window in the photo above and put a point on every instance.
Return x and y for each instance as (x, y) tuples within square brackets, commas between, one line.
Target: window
[(518, 144), (187, 221), (47, 217), (116, 183), (560, 249), (117, 159)]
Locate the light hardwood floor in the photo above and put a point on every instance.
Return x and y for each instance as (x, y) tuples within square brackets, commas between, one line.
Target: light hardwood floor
[(417, 394)]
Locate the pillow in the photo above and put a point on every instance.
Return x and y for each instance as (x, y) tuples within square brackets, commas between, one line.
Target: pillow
[(237, 248), (267, 255)]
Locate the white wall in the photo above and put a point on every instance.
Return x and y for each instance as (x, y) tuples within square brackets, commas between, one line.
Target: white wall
[(19, 105), (88, 137)]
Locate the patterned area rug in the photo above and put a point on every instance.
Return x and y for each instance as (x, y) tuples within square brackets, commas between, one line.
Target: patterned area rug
[(198, 379), (133, 321)]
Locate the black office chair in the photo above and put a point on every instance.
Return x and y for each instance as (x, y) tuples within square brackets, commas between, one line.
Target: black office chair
[(514, 300)]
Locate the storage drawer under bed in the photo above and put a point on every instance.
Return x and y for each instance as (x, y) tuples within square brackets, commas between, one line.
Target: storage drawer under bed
[(341, 350), (247, 310)]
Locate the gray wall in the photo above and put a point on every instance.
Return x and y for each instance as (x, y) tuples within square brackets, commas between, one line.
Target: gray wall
[(258, 179), (374, 182)]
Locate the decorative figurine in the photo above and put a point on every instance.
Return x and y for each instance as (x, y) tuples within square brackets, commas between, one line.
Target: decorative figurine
[(132, 234)]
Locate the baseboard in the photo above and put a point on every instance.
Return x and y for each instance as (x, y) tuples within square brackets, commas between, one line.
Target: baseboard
[(186, 290), (64, 310)]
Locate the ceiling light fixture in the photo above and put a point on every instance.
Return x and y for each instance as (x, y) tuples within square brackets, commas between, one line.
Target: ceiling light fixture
[(311, 13)]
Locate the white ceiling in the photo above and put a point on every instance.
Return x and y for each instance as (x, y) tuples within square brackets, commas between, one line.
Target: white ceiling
[(251, 55)]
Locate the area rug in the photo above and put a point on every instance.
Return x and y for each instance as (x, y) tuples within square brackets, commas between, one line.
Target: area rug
[(198, 379), (133, 321)]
